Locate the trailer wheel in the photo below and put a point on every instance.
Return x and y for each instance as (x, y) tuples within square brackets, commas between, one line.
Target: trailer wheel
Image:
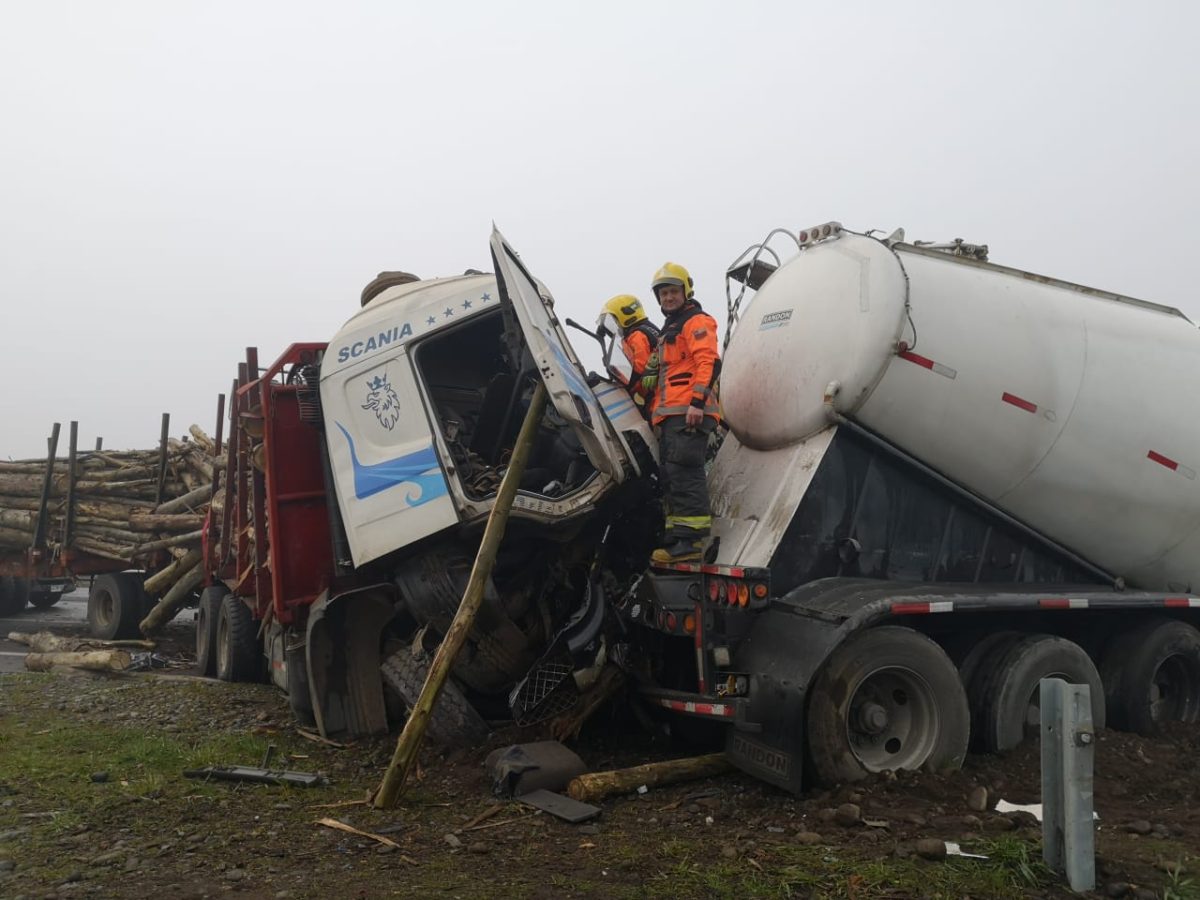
[(12, 600), (1152, 676), (237, 641), (115, 607), (207, 612), (453, 720), (1008, 704), (973, 671), (888, 698)]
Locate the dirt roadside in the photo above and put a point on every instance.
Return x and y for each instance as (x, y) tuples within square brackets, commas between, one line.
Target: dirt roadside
[(93, 804)]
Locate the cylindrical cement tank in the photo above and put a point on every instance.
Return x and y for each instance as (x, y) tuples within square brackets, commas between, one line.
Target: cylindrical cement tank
[(1073, 409)]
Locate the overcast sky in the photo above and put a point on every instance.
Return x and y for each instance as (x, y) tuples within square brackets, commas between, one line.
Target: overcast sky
[(181, 180)]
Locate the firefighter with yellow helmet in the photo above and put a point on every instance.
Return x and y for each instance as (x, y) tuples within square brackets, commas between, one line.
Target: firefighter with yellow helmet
[(639, 341), (685, 411)]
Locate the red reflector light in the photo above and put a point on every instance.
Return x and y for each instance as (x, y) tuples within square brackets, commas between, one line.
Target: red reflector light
[(671, 621), (714, 590), (731, 592), (760, 591)]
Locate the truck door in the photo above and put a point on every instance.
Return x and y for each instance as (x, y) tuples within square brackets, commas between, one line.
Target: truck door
[(565, 379)]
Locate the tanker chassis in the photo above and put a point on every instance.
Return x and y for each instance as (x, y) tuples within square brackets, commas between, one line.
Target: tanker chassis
[(944, 481)]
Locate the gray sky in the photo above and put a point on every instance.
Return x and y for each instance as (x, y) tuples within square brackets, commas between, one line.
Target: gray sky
[(181, 180)]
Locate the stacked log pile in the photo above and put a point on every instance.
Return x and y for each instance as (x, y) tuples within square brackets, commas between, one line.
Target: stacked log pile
[(118, 512)]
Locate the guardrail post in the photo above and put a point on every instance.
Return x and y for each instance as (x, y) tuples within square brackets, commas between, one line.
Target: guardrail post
[(1068, 758)]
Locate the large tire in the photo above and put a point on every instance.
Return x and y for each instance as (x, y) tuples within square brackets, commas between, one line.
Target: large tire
[(115, 607), (973, 670), (453, 721), (888, 698), (11, 600), (207, 612), (237, 641), (1009, 707), (1151, 676)]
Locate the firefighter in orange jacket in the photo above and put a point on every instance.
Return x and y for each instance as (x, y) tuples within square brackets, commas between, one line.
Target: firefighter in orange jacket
[(685, 411), (639, 340)]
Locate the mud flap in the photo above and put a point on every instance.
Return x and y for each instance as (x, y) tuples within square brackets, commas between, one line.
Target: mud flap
[(343, 662)]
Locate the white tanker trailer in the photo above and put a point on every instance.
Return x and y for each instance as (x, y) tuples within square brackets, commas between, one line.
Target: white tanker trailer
[(944, 480)]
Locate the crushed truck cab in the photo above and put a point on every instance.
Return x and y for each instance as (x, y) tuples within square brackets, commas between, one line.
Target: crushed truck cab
[(423, 392), (360, 473)]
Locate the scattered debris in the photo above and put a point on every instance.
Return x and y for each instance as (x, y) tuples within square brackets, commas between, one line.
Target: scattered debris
[(92, 660), (1034, 809), (953, 849), (257, 775), (565, 808), (314, 737), (46, 642), (379, 838), (524, 768), (482, 817)]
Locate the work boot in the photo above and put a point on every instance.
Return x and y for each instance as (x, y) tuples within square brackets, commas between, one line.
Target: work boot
[(678, 551)]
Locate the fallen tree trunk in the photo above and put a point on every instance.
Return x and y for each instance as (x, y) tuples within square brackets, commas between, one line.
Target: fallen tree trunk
[(595, 786), (94, 660), (173, 601)]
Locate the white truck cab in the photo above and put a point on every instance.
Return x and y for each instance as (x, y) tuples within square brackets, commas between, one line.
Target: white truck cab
[(423, 392)]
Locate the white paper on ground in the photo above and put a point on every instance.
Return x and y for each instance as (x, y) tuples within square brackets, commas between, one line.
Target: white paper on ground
[(952, 849), (1003, 806)]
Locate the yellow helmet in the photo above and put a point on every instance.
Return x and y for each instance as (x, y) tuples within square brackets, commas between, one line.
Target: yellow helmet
[(673, 273), (626, 309)]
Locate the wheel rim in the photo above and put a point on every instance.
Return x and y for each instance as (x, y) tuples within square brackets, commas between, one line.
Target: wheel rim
[(892, 720), (1175, 691), (106, 607)]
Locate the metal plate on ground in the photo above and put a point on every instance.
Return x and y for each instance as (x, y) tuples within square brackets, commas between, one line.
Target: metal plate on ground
[(562, 807)]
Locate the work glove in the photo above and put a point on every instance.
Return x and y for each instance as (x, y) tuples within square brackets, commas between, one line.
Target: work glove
[(650, 375)]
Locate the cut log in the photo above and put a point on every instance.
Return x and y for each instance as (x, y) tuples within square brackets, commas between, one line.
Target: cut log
[(140, 521), (19, 519), (13, 537), (100, 548), (191, 500), (94, 660), (163, 579), (192, 538), (45, 642), (202, 440), (595, 786), (173, 601)]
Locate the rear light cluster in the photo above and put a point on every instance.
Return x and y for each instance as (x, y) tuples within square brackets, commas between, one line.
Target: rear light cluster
[(820, 232), (670, 621), (732, 592)]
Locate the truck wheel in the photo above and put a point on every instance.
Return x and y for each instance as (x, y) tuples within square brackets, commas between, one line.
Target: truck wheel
[(887, 698), (1009, 708), (207, 612), (11, 600), (973, 670), (114, 607), (453, 721), (1152, 676), (237, 641)]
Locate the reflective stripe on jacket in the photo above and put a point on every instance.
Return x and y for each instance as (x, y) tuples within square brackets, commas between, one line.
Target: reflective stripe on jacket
[(688, 364)]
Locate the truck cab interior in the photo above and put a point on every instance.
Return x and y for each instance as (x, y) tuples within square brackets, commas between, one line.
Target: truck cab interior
[(479, 379)]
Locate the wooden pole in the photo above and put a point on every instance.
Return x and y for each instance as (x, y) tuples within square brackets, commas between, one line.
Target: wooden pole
[(69, 511), (439, 670), (39, 533), (596, 786)]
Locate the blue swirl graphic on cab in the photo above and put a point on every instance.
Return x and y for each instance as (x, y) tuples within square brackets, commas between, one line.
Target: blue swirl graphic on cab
[(418, 470)]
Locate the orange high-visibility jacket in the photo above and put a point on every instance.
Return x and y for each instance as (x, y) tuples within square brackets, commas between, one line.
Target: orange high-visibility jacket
[(688, 363)]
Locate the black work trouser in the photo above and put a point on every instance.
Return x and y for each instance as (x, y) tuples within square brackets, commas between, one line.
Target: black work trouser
[(681, 452)]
